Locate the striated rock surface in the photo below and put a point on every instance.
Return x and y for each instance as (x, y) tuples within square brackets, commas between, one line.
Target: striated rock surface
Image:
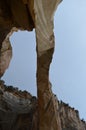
[(69, 118), (19, 111)]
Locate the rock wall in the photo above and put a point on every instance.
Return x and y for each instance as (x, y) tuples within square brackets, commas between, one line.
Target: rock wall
[(69, 118), (19, 111)]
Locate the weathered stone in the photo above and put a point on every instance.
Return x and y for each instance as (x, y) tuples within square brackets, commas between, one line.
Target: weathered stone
[(48, 114), (26, 15), (5, 55), (69, 118), (10, 17), (19, 111), (44, 18), (44, 14), (6, 52), (21, 15)]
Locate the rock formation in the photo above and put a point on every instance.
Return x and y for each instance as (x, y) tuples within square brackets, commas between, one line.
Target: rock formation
[(26, 15), (6, 53), (19, 111), (69, 118)]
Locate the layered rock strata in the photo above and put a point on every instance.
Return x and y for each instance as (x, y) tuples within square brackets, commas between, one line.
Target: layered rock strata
[(19, 111)]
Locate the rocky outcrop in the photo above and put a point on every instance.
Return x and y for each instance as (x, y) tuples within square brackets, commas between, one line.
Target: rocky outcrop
[(19, 111), (69, 118)]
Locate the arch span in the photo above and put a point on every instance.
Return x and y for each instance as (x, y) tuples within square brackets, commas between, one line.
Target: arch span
[(26, 15)]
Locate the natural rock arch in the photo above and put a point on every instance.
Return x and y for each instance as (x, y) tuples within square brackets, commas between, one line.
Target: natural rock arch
[(26, 15)]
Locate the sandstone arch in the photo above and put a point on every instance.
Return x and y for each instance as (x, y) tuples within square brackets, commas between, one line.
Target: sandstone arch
[(26, 15)]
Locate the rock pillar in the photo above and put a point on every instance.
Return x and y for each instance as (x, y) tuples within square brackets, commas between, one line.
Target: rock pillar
[(47, 106)]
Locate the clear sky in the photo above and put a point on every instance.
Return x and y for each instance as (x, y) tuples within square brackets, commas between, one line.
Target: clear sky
[(68, 68)]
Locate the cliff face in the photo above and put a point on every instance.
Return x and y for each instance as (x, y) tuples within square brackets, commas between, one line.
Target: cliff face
[(69, 118), (19, 111)]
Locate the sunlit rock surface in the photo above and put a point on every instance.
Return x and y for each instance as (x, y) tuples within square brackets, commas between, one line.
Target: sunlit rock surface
[(5, 56), (69, 118), (44, 23), (6, 53), (19, 111)]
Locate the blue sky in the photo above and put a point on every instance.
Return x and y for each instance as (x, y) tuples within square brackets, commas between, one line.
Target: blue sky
[(68, 68)]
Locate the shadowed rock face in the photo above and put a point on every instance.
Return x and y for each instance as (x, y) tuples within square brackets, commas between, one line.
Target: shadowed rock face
[(26, 15), (13, 14), (19, 111)]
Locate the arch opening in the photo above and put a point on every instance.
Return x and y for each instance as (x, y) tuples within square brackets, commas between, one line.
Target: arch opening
[(22, 69)]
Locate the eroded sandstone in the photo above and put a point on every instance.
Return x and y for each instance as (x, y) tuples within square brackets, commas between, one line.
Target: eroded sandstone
[(26, 15), (19, 111)]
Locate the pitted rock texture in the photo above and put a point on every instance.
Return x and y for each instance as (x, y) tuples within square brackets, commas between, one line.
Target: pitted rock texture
[(19, 111)]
